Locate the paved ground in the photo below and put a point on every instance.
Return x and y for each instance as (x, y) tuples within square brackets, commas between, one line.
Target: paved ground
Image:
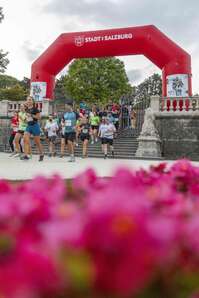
[(15, 169)]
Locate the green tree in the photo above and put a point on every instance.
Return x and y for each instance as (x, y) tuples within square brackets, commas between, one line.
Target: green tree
[(60, 93), (1, 14), (7, 81), (97, 80), (13, 89), (150, 86), (16, 92), (3, 60), (25, 83)]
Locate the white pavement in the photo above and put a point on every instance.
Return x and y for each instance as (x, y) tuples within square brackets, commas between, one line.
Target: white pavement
[(14, 169)]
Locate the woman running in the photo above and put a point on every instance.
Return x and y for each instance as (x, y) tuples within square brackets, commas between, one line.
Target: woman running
[(22, 116), (95, 122), (33, 128), (14, 126), (63, 142), (106, 133), (85, 135)]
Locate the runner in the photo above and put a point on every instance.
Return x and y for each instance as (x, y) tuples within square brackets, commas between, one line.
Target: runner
[(46, 132), (63, 142), (20, 133), (85, 135), (14, 126), (70, 134), (116, 115), (106, 132), (52, 128), (77, 131), (33, 128), (95, 122), (133, 119)]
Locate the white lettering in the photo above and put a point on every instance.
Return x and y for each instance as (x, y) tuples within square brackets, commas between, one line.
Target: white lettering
[(93, 39)]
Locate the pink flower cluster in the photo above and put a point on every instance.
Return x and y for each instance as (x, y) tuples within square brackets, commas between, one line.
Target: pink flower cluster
[(133, 235)]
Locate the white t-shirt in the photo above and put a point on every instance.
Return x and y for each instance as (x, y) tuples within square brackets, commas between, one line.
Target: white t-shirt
[(51, 128), (107, 130)]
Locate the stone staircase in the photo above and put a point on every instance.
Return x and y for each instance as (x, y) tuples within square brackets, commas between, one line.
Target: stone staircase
[(125, 146)]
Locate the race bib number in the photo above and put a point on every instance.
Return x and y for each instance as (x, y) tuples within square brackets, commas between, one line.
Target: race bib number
[(29, 118), (68, 123), (85, 131)]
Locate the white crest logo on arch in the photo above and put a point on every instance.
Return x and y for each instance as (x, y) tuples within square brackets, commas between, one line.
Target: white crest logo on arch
[(79, 41)]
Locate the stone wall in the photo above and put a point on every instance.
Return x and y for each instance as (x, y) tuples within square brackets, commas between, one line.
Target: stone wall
[(179, 134)]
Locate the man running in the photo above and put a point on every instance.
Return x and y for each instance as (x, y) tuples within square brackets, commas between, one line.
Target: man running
[(33, 128), (51, 128), (70, 131), (106, 132)]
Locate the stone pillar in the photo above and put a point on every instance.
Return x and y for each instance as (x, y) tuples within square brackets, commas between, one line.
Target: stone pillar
[(4, 107), (149, 147), (149, 140), (155, 103), (46, 108)]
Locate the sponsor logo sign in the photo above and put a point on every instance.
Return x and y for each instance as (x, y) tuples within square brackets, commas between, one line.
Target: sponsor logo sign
[(81, 39), (177, 85), (38, 90)]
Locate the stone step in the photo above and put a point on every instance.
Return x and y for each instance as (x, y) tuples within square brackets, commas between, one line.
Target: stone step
[(125, 146)]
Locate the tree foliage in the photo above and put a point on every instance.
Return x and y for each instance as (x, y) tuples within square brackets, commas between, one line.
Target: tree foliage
[(151, 86), (14, 93), (60, 93), (3, 56), (1, 14), (96, 80), (13, 89)]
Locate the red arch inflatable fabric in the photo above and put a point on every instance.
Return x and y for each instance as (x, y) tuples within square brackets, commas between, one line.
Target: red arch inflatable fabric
[(146, 40)]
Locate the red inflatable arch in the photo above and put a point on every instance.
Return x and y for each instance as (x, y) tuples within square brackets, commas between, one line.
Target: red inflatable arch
[(174, 62)]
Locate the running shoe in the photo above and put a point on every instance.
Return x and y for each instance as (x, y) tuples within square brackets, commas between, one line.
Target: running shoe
[(17, 155), (49, 155), (92, 143), (105, 156), (61, 156), (12, 154), (41, 157), (25, 157), (72, 159)]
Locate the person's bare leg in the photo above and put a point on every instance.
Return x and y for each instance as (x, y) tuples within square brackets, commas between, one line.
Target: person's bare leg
[(71, 150), (105, 150), (38, 144), (16, 142), (112, 150), (26, 143), (50, 147), (85, 148), (95, 135), (92, 136), (63, 143), (53, 148)]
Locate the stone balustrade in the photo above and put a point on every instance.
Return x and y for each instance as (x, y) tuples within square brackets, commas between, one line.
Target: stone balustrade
[(8, 107), (175, 104)]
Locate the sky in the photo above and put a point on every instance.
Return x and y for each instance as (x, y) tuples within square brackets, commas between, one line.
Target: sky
[(30, 26)]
